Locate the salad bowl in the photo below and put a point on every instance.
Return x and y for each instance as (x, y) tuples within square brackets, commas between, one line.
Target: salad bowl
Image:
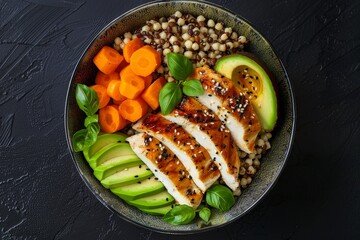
[(272, 163)]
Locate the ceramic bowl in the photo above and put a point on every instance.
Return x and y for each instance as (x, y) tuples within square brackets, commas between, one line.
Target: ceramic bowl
[(272, 162)]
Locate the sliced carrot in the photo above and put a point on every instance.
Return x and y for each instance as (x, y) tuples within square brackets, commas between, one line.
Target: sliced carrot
[(102, 95), (113, 90), (144, 61), (110, 119), (104, 79), (131, 47), (148, 80), (133, 109), (151, 94), (107, 59), (131, 85)]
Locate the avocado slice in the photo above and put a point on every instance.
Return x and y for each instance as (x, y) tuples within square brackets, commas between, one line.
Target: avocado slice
[(157, 211), (248, 74), (139, 189), (102, 142), (127, 176), (153, 201), (109, 154), (116, 164)]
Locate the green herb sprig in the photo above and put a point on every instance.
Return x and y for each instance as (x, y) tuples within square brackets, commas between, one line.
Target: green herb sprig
[(220, 197), (181, 214), (171, 94), (205, 214), (88, 102)]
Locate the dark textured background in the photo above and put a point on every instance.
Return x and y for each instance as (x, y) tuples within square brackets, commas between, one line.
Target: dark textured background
[(43, 197)]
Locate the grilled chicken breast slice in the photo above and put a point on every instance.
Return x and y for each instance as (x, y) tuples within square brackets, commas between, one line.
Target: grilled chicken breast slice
[(212, 134), (231, 106), (195, 158), (167, 168)]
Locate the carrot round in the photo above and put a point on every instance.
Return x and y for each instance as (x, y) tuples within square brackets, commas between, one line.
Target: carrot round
[(151, 94), (144, 61), (126, 71), (110, 119), (113, 90), (107, 59), (102, 95), (133, 109), (131, 85), (131, 47), (103, 79)]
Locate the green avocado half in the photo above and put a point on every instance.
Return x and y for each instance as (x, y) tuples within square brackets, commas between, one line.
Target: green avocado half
[(247, 73)]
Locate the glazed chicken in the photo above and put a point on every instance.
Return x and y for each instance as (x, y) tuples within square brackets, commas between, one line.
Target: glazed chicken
[(167, 168), (212, 134), (194, 157), (230, 105)]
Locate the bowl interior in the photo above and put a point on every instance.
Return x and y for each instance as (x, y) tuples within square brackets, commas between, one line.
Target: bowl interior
[(272, 162)]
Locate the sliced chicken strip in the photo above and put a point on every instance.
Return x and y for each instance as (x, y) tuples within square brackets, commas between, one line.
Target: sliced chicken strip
[(212, 134), (231, 106), (167, 168), (195, 158)]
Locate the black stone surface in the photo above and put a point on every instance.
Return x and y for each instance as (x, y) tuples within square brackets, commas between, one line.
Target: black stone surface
[(43, 197)]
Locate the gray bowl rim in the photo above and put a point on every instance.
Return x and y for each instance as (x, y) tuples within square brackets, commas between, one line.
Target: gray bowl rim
[(286, 156)]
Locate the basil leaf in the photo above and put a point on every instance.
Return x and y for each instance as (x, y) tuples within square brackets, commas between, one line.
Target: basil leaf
[(78, 140), (91, 119), (84, 138), (93, 127), (205, 214), (220, 197), (193, 88), (170, 96), (92, 131), (180, 66), (87, 99), (181, 214)]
